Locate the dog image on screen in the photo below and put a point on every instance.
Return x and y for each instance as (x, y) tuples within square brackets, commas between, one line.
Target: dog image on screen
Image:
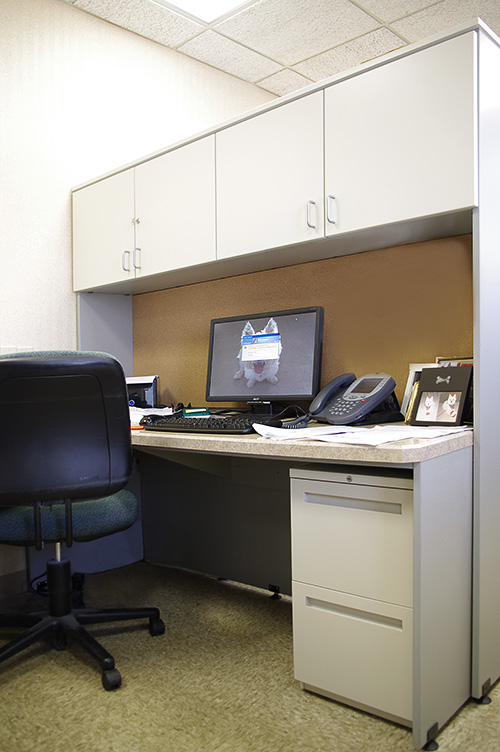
[(259, 369)]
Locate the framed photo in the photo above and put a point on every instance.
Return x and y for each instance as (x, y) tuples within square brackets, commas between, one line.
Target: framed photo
[(443, 394), (415, 369), (454, 361)]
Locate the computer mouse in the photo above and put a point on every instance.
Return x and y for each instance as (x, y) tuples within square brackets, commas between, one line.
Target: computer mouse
[(148, 419), (274, 422)]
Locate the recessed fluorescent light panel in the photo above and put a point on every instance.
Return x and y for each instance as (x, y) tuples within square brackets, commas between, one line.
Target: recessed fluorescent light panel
[(204, 10)]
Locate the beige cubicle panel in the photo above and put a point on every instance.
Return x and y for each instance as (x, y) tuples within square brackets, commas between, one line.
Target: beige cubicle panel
[(383, 310)]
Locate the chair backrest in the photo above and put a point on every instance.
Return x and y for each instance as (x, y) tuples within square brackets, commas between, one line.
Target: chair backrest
[(65, 427)]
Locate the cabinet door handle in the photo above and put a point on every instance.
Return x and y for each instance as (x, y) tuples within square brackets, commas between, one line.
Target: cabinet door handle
[(329, 217), (126, 268), (309, 223), (137, 265)]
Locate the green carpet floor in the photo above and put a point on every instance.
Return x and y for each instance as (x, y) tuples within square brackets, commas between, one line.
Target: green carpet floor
[(219, 680)]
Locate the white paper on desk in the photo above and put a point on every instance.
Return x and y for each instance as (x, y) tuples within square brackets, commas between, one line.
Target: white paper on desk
[(136, 413), (377, 435), (315, 432)]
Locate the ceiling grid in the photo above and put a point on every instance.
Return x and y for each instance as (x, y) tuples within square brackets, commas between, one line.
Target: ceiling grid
[(285, 45)]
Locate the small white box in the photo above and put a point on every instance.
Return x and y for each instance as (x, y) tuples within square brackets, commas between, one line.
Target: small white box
[(142, 391)]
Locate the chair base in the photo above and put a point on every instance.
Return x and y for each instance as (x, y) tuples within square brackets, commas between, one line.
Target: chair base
[(62, 622)]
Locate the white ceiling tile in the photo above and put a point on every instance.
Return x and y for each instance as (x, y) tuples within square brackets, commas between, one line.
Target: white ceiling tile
[(447, 14), (390, 10), (276, 43), (289, 31), (284, 82), (350, 54), (144, 18), (229, 56)]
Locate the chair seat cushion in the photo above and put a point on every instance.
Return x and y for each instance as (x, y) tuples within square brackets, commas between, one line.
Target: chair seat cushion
[(92, 519)]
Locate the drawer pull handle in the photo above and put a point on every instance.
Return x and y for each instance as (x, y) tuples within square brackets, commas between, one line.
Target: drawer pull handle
[(329, 216), (309, 219), (388, 507), (355, 613), (126, 267)]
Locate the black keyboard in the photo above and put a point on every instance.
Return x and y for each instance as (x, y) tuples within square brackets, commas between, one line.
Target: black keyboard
[(235, 424)]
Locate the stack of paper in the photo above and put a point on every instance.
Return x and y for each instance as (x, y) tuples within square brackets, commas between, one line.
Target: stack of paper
[(136, 413), (365, 435)]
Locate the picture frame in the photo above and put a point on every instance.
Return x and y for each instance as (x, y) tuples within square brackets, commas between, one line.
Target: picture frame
[(444, 362), (443, 395), (414, 371)]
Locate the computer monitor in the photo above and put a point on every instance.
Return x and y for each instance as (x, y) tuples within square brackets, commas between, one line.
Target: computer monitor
[(262, 358)]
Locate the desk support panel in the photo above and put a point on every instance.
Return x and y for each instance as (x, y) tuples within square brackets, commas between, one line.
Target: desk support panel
[(234, 523), (442, 589)]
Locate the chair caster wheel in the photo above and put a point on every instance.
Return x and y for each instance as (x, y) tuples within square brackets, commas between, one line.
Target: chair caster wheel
[(156, 627), (60, 640), (111, 679)]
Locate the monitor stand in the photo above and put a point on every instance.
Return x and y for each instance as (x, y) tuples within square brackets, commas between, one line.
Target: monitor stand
[(261, 407)]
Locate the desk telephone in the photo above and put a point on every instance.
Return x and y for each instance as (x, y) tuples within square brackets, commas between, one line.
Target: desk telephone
[(346, 400)]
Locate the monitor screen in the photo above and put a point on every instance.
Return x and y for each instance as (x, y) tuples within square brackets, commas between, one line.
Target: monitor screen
[(272, 356)]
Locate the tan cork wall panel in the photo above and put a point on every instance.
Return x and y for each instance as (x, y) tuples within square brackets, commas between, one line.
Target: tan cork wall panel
[(383, 310)]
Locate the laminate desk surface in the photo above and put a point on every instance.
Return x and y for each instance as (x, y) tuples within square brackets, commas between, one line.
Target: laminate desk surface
[(405, 452)]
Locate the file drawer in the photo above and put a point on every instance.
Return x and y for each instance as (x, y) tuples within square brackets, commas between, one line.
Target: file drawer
[(353, 538), (354, 649)]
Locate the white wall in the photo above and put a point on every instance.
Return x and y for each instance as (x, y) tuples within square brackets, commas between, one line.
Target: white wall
[(79, 97)]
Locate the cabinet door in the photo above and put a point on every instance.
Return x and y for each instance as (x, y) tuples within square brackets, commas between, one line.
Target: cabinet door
[(399, 139), (175, 208), (103, 232), (270, 179)]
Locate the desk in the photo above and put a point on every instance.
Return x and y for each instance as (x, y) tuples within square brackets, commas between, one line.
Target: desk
[(396, 453), (224, 501)]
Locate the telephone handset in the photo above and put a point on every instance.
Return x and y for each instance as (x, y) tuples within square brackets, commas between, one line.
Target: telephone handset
[(329, 392), (346, 399)]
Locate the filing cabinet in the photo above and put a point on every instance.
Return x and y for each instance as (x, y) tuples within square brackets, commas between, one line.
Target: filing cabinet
[(352, 564)]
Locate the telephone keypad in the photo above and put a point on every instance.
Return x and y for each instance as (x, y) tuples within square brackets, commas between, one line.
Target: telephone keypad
[(342, 408)]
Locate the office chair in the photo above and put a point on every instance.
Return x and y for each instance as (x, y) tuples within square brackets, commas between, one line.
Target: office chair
[(65, 459)]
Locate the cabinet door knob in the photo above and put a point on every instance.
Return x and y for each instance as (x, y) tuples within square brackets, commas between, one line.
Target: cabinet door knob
[(126, 268), (309, 222), (137, 258), (329, 217)]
